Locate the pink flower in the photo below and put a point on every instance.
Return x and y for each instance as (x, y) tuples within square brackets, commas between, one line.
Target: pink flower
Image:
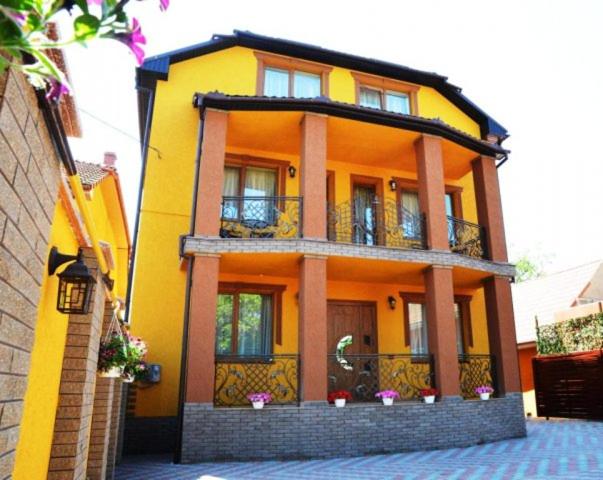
[(56, 90), (132, 39), (95, 2), (164, 4)]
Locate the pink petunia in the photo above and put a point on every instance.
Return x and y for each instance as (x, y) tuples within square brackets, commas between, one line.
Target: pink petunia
[(164, 4), (56, 90), (133, 39)]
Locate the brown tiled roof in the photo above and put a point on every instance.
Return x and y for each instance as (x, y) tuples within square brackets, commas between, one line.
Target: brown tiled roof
[(91, 173)]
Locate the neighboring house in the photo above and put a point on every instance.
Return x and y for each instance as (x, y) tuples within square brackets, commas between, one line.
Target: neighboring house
[(57, 420), (571, 293), (316, 221)]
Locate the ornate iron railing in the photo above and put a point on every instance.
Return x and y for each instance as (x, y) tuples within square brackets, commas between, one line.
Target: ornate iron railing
[(384, 223), (239, 375), (475, 371), (466, 238), (365, 375), (261, 217)]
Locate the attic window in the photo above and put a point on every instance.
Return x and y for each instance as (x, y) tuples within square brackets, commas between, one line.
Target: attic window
[(106, 249), (386, 94)]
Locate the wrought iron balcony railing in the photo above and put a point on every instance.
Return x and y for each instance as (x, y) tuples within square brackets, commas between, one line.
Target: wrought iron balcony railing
[(466, 238), (365, 375), (475, 371), (261, 217), (380, 223), (239, 375)]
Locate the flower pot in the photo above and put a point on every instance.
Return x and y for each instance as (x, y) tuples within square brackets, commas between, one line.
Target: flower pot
[(113, 372), (340, 402), (388, 401), (429, 398), (484, 396), (127, 378), (258, 405)]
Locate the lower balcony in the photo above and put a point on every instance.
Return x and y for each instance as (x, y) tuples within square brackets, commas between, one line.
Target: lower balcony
[(363, 376)]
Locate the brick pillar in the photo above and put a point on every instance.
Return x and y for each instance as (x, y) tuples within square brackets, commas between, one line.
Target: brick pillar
[(98, 446), (202, 330), (439, 303), (313, 328), (211, 173), (76, 394), (501, 333), (489, 207), (313, 175), (432, 192), (114, 433)]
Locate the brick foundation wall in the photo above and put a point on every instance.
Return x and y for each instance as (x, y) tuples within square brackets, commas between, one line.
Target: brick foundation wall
[(29, 181), (321, 431)]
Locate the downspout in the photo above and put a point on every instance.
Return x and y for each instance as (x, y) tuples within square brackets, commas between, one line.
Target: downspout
[(144, 151), (55, 127), (189, 283)]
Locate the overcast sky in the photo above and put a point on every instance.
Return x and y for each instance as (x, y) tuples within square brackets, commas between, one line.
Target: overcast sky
[(535, 66)]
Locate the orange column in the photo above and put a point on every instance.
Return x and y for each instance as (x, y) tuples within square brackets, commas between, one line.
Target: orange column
[(489, 206), (313, 179), (211, 173), (432, 201), (313, 328), (439, 302), (202, 330), (501, 333)]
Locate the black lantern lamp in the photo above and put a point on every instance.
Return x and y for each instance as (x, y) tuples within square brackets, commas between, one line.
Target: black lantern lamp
[(292, 171), (393, 185), (76, 283), (392, 302)]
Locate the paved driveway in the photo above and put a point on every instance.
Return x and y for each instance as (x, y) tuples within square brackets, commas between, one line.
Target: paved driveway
[(552, 450)]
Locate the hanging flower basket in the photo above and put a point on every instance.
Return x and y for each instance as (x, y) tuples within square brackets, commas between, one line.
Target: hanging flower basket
[(135, 368), (112, 355), (111, 372)]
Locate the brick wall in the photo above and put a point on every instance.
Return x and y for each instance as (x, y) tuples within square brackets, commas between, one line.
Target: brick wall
[(29, 180), (322, 431)]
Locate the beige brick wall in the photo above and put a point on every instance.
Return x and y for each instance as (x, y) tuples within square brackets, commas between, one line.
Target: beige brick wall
[(29, 181)]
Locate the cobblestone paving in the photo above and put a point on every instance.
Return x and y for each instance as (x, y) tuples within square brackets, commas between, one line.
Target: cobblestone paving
[(553, 450)]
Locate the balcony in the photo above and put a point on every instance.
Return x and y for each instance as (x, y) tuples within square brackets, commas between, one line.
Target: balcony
[(466, 238), (380, 223), (261, 217)]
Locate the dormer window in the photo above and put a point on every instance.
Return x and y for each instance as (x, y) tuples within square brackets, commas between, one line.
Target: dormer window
[(385, 94), (289, 77)]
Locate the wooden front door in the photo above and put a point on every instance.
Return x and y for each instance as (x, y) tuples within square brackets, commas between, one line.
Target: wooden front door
[(352, 343)]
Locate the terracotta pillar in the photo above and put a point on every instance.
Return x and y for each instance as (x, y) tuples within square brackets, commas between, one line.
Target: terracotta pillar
[(432, 192), (489, 207), (313, 328), (439, 303), (211, 173), (313, 175), (501, 333), (202, 330)]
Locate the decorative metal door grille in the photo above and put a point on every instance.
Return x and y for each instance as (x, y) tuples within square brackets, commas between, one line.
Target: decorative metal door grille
[(466, 238), (239, 375), (261, 217), (475, 371), (365, 375), (387, 225)]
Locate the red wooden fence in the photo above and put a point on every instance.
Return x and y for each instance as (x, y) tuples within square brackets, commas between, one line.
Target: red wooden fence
[(569, 386)]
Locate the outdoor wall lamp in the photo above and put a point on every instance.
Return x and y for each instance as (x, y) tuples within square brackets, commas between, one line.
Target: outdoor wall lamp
[(393, 185), (292, 171), (392, 302), (76, 283)]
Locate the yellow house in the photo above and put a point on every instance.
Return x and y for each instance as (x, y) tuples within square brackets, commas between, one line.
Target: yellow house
[(44, 449), (312, 221)]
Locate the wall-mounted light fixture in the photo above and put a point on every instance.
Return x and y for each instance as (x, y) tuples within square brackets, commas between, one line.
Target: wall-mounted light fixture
[(76, 283), (392, 302), (292, 171), (393, 185)]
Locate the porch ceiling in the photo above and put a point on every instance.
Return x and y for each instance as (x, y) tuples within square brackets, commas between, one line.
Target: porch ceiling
[(347, 141)]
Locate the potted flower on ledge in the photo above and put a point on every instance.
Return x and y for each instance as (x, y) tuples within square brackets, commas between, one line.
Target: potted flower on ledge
[(428, 394), (387, 396), (484, 391), (112, 356), (339, 397), (258, 400)]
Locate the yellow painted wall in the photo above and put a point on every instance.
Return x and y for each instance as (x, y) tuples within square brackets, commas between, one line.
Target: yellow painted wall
[(42, 396)]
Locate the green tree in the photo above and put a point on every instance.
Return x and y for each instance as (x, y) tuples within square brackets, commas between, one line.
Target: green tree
[(530, 265)]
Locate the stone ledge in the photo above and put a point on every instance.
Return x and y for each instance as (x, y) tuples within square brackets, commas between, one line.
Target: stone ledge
[(195, 245), (360, 429)]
